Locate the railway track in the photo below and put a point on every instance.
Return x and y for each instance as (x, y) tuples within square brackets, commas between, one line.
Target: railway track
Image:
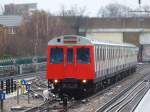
[(46, 107), (54, 105), (38, 87), (133, 96), (75, 107), (124, 101), (140, 67), (73, 104)]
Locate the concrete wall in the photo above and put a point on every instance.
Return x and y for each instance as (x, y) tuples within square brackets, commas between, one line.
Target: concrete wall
[(136, 33), (131, 37), (144, 38), (129, 22)]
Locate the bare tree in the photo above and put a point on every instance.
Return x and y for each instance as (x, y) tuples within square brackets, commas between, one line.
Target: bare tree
[(35, 32), (114, 10), (118, 10), (74, 17), (38, 28)]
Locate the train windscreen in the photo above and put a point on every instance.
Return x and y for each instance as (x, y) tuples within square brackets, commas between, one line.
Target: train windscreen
[(56, 55), (83, 55)]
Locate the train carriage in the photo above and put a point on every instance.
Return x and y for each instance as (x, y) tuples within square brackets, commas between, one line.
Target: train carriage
[(77, 65)]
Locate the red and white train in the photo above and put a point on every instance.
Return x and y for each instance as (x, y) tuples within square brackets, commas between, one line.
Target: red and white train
[(78, 65)]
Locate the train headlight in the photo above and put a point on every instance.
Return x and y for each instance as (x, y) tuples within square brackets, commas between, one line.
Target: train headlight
[(55, 81), (84, 81)]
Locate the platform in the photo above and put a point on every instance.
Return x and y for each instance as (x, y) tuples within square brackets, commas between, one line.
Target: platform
[(144, 105)]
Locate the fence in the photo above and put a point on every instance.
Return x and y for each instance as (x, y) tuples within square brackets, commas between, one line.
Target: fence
[(23, 60)]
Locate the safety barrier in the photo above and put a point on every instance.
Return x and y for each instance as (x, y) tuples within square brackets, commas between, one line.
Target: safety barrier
[(22, 68), (22, 60)]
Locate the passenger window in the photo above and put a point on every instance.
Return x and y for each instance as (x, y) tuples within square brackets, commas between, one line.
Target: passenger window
[(83, 55)]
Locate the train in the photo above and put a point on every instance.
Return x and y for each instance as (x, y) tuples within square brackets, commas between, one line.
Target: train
[(78, 66)]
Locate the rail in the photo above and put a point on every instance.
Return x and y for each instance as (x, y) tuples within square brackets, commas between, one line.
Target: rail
[(122, 93)]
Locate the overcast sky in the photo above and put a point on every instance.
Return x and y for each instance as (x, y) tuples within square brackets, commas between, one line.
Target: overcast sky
[(92, 6)]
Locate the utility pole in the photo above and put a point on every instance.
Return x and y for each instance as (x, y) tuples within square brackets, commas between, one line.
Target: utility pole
[(140, 4), (18, 99), (28, 86), (36, 35), (36, 40), (47, 28)]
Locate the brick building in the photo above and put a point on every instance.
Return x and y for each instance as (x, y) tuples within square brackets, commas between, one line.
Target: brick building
[(19, 9)]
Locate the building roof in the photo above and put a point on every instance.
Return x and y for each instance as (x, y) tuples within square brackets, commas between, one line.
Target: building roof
[(10, 20)]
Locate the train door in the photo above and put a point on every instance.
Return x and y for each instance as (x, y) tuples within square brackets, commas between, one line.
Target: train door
[(69, 62), (84, 62)]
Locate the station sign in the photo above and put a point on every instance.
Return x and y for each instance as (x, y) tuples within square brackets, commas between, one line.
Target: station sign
[(35, 60), (23, 82), (19, 82)]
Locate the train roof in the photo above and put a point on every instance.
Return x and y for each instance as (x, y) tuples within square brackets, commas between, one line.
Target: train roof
[(80, 40)]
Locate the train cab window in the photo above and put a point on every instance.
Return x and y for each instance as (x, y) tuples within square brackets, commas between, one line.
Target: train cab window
[(56, 55), (69, 55), (83, 55)]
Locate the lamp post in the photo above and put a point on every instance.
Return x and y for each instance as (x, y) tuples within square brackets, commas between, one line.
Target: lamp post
[(36, 40), (140, 3)]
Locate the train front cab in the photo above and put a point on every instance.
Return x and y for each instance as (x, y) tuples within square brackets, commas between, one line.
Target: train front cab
[(70, 69)]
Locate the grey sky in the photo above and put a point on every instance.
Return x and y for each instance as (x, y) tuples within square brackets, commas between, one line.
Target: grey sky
[(92, 6)]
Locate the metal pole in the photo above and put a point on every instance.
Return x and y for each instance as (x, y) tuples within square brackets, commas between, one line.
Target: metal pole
[(28, 89), (1, 105), (47, 21), (18, 94), (2, 98), (36, 40), (28, 96), (140, 4), (37, 36)]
